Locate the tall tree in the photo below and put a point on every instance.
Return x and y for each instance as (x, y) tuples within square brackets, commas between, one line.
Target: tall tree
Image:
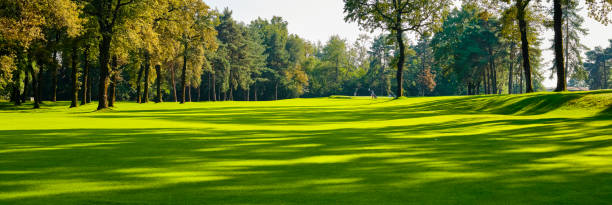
[(558, 44), (398, 17), (521, 9), (198, 36), (109, 14), (74, 79), (335, 52), (573, 31)]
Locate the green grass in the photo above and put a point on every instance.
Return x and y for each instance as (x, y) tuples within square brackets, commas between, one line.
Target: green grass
[(543, 148)]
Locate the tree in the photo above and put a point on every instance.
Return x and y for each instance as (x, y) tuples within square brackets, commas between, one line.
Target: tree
[(573, 48), (335, 53), (258, 62), (467, 48), (74, 74), (295, 78), (398, 17), (25, 25), (378, 76), (426, 81), (558, 44), (521, 9), (274, 35), (598, 10), (598, 67), (198, 36), (109, 14)]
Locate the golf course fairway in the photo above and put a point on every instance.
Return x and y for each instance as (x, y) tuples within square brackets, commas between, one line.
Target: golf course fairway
[(541, 148)]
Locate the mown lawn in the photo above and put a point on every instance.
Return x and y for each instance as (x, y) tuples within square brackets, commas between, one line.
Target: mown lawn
[(528, 149)]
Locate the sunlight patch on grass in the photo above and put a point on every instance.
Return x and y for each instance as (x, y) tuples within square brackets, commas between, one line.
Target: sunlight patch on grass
[(213, 149), (58, 147), (541, 148), (302, 145), (323, 159), (17, 172), (415, 179), (597, 160), (39, 188)]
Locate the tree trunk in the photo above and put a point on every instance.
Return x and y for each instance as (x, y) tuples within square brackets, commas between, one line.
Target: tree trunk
[(172, 73), (112, 88), (213, 84), (113, 84), (147, 71), (606, 73), (54, 77), (89, 89), (36, 86), (255, 93), (85, 76), (559, 65), (138, 84), (485, 81), (159, 97), (494, 73), (39, 84), (74, 78), (566, 49), (104, 70), (189, 90), (400, 62), (209, 87), (276, 91), (522, 76), (199, 90), (184, 75), (26, 82), (524, 43), (511, 72), (16, 94)]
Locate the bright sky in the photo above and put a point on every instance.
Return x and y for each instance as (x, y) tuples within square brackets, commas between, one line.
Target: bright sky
[(317, 20)]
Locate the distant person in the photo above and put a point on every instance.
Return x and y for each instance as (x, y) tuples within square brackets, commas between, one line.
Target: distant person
[(372, 94), (355, 94)]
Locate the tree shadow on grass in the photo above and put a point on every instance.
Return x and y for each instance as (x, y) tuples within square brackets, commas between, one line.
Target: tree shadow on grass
[(470, 160)]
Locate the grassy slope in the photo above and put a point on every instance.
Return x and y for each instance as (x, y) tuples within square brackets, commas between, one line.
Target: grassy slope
[(537, 148)]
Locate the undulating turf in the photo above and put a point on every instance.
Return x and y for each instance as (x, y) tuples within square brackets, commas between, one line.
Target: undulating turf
[(525, 149)]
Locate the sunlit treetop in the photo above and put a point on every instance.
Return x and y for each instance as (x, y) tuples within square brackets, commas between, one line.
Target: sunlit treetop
[(24, 21), (420, 16)]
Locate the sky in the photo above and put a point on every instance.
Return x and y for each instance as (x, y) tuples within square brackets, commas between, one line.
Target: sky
[(317, 20)]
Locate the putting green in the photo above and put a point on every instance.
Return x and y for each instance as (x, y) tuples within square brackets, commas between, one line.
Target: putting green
[(526, 149)]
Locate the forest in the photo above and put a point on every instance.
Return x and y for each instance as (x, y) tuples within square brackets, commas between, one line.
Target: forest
[(184, 51)]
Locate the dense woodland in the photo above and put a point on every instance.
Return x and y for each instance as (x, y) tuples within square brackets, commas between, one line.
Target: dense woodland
[(184, 51)]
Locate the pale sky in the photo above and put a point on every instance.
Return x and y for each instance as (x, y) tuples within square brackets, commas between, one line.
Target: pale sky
[(317, 20)]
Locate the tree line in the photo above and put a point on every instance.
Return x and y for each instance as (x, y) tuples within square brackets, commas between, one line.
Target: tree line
[(519, 22), (183, 51)]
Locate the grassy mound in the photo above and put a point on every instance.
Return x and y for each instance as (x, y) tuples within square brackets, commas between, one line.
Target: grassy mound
[(553, 148), (527, 104)]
